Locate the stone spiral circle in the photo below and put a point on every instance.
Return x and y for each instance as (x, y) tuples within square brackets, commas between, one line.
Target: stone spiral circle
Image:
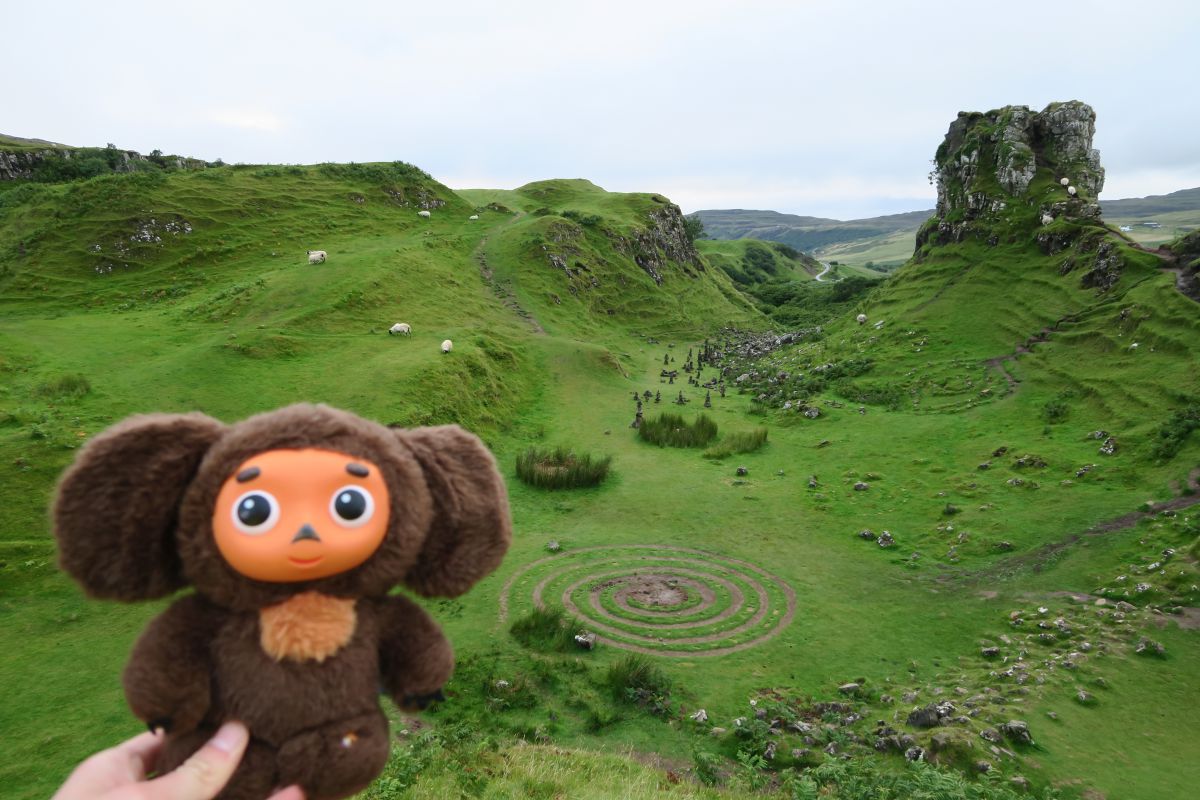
[(657, 599)]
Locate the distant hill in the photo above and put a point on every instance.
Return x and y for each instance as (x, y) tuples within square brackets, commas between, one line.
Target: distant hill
[(808, 234), (886, 242), (1183, 200)]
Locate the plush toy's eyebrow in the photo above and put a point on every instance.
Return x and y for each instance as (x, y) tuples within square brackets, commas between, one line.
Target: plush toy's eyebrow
[(357, 470), (248, 474)]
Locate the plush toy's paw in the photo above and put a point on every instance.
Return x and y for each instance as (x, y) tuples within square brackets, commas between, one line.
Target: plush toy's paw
[(420, 702)]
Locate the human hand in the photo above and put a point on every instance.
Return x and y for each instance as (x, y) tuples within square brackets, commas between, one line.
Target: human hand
[(119, 773)]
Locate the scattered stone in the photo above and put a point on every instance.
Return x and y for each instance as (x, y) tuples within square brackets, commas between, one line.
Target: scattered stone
[(1084, 697), (553, 546), (885, 539), (985, 465), (886, 700), (866, 533), (1017, 731), (586, 640), (742, 471), (700, 716), (990, 652), (799, 753), (983, 767), (861, 487), (1098, 435), (992, 735), (849, 688), (1109, 447), (927, 717), (1004, 547), (999, 451), (717, 732), (914, 754), (1149, 647), (824, 443)]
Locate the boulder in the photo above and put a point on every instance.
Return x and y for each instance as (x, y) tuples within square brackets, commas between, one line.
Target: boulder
[(1017, 731), (586, 640)]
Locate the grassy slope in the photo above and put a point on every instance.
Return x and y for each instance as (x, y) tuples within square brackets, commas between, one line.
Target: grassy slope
[(181, 330), (730, 255)]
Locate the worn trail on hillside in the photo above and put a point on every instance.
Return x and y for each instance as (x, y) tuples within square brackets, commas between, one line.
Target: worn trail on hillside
[(503, 293), (1035, 559)]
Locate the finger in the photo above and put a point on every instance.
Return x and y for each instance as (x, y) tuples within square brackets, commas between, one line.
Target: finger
[(203, 775), (290, 793), (140, 753)]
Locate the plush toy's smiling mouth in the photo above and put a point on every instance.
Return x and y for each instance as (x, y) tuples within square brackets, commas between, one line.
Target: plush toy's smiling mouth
[(304, 562)]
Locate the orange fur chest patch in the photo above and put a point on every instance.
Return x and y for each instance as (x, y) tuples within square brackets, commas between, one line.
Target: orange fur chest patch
[(309, 626)]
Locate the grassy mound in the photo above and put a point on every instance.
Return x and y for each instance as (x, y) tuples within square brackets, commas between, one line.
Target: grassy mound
[(671, 430), (561, 468), (545, 629)]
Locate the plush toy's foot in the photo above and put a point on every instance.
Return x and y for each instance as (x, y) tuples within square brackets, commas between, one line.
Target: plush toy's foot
[(255, 775), (335, 760)]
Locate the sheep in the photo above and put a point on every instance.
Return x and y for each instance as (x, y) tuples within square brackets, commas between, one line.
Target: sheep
[(401, 327), (1064, 181), (447, 346), (1071, 191), (316, 256), (861, 319), (473, 216), (424, 214)]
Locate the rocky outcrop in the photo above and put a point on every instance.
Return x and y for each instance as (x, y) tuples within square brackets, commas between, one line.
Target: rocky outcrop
[(665, 239), (988, 161), (1013, 172), (67, 163)]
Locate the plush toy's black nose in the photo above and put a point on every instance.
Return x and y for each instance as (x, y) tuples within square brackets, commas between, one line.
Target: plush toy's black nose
[(307, 532)]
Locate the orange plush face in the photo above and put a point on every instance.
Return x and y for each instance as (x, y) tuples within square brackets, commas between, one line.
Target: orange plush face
[(286, 516)]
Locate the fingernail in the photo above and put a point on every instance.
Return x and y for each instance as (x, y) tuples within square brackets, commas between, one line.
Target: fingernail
[(230, 737)]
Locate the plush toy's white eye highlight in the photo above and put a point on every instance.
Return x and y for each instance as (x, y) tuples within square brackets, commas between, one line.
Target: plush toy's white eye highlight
[(352, 506), (255, 512)]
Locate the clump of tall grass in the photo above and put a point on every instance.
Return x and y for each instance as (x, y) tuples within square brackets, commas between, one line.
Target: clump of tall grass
[(64, 387), (545, 629), (634, 679), (738, 442), (561, 468), (671, 430)]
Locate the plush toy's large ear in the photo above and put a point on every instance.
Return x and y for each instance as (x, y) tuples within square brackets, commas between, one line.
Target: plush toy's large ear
[(116, 507), (471, 526)]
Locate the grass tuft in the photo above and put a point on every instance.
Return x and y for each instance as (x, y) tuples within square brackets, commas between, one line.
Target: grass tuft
[(671, 430), (65, 387), (739, 442), (545, 629), (561, 468)]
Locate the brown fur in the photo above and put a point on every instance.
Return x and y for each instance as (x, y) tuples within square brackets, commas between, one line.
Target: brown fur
[(310, 625), (133, 518)]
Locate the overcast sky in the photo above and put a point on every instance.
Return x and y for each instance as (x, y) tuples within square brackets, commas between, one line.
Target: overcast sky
[(821, 108)]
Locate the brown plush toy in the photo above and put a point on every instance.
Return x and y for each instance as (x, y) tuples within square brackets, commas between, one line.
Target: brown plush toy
[(292, 526)]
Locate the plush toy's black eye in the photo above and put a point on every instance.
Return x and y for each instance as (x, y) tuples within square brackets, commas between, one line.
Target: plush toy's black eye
[(352, 506), (255, 512)]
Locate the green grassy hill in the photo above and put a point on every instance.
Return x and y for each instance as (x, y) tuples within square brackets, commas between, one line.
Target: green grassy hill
[(752, 596)]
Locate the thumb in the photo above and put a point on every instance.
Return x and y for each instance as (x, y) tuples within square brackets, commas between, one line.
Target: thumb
[(203, 775)]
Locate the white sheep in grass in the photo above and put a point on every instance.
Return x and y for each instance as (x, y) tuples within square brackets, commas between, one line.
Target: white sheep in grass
[(861, 319), (424, 214), (401, 327), (316, 256), (1071, 191), (447, 346), (1064, 181), (473, 216)]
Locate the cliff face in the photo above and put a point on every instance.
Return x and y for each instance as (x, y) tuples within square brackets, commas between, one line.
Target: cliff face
[(989, 161), (1014, 174)]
